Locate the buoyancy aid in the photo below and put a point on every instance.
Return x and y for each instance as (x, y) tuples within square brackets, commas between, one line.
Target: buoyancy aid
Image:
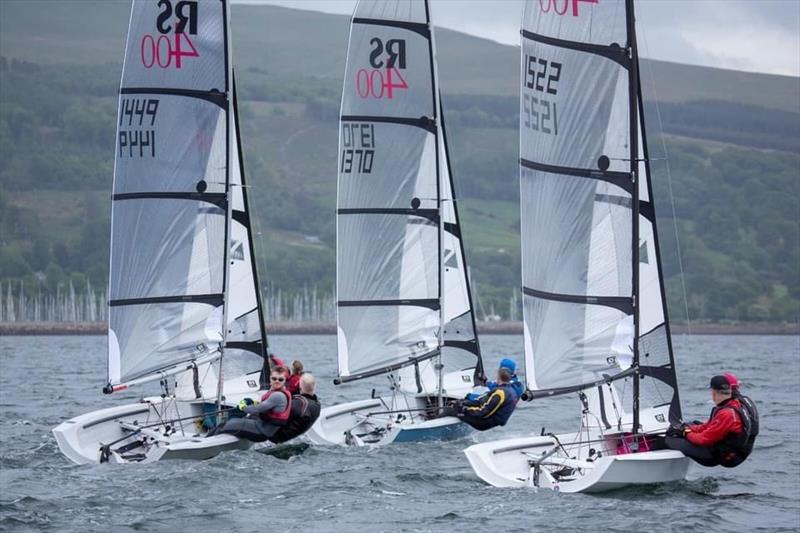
[(736, 447), (493, 409), (278, 418), (305, 411)]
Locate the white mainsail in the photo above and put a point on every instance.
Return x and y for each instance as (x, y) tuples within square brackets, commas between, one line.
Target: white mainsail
[(594, 310), (588, 291), (177, 172), (402, 282)]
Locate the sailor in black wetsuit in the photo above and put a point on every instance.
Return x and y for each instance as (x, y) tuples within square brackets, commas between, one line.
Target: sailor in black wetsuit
[(305, 411), (493, 408)]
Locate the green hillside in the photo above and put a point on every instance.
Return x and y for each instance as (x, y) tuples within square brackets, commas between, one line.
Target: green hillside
[(291, 43), (734, 161)]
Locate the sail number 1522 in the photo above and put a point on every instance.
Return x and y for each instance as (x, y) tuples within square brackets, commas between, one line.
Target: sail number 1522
[(540, 80)]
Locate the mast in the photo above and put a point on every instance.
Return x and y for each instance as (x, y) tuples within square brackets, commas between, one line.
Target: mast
[(228, 200), (633, 140), (440, 220)]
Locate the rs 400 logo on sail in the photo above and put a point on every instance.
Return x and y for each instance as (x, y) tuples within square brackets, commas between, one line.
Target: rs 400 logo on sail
[(176, 23), (387, 59)]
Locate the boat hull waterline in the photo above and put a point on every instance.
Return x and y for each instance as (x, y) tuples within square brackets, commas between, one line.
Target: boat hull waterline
[(363, 423), (510, 463), (82, 438), (172, 433)]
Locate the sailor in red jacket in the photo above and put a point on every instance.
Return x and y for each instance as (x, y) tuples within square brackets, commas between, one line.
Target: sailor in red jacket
[(727, 438)]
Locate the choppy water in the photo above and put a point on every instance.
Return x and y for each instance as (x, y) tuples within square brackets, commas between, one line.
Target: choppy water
[(409, 487)]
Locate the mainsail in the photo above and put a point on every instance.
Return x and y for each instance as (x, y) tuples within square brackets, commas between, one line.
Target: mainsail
[(593, 292), (181, 247), (402, 284)]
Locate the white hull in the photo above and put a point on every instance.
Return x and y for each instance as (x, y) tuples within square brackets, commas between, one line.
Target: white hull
[(82, 438), (365, 422), (511, 463)]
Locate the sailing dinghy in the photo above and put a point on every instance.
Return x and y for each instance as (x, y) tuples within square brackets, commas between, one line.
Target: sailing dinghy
[(182, 261), (595, 316), (404, 302)]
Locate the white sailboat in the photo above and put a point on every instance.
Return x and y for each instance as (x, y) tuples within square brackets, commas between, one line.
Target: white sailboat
[(182, 261), (404, 303), (595, 315)]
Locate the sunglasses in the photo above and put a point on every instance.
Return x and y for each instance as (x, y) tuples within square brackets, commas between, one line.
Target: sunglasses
[(277, 379)]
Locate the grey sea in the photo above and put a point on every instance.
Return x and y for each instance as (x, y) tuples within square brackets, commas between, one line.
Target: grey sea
[(407, 487)]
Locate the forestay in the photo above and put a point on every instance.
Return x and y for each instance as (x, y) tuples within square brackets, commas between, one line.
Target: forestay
[(175, 145), (587, 289), (399, 251)]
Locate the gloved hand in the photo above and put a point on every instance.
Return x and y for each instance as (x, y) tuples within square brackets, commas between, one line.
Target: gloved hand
[(676, 430), (245, 403)]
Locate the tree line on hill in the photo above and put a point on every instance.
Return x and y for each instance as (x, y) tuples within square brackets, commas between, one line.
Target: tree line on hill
[(736, 208)]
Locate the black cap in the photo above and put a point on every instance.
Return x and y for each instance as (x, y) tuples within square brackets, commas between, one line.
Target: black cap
[(720, 383)]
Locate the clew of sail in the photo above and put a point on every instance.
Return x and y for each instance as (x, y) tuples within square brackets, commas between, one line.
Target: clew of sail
[(168, 282), (587, 290), (394, 192)]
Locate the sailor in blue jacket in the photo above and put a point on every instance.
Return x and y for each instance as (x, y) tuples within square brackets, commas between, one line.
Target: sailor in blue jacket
[(494, 407), (518, 386)]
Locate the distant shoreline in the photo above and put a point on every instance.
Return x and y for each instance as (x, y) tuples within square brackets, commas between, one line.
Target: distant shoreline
[(329, 328)]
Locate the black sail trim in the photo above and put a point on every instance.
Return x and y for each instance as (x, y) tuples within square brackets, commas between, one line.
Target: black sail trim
[(430, 303), (602, 402), (614, 52), (622, 303), (255, 347), (645, 208), (620, 179), (425, 123), (453, 229), (242, 218), (430, 214), (210, 299), (647, 211), (417, 27), (386, 369), (469, 346), (218, 199), (213, 96)]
